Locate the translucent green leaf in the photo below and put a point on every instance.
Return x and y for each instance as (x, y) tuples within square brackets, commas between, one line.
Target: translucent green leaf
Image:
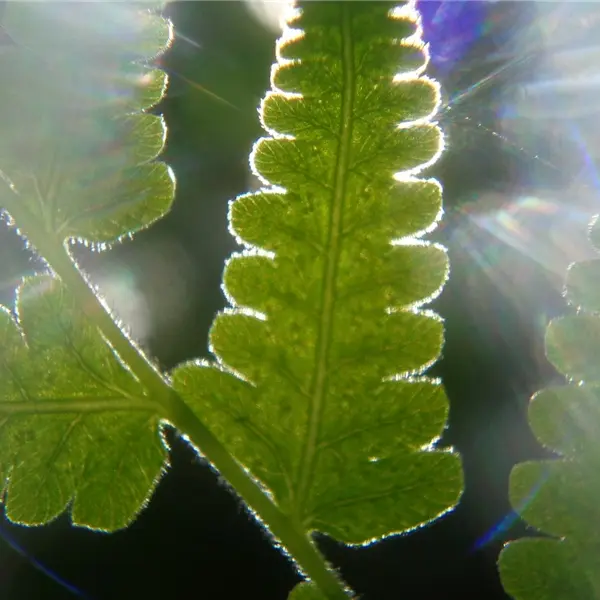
[(583, 285), (76, 147), (563, 419), (315, 389), (74, 423), (573, 346), (538, 569), (561, 497)]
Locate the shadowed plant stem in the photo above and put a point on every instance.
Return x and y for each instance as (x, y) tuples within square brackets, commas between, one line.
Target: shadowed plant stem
[(174, 409)]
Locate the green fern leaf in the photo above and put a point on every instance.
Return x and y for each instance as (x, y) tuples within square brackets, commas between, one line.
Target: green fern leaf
[(560, 497), (315, 389), (74, 423), (77, 161), (76, 153)]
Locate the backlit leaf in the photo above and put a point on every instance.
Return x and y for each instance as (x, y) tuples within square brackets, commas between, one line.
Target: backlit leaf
[(315, 389), (573, 346), (561, 497), (74, 423), (75, 147), (583, 284), (77, 159)]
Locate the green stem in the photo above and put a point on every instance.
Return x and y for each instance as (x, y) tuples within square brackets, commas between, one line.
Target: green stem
[(178, 413), (280, 525)]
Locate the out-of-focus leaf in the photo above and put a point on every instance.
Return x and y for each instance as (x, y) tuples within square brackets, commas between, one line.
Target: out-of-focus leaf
[(74, 143), (573, 346), (561, 497), (583, 285)]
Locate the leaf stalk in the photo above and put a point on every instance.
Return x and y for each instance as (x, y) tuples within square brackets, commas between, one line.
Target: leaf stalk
[(176, 411)]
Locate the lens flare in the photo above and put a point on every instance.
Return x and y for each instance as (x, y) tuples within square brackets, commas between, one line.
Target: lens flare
[(22, 551)]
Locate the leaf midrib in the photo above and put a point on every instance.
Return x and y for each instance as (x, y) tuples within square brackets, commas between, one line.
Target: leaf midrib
[(333, 246), (68, 405)]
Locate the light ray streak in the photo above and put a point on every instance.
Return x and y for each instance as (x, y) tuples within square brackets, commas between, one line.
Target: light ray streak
[(19, 549)]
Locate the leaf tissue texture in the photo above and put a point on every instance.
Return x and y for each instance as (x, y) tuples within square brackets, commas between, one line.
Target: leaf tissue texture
[(74, 423), (74, 145), (315, 387), (561, 497)]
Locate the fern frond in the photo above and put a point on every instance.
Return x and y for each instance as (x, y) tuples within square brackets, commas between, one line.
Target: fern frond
[(77, 152), (560, 497), (317, 387), (77, 162)]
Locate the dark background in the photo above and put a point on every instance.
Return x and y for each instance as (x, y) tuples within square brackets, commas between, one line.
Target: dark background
[(519, 189)]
